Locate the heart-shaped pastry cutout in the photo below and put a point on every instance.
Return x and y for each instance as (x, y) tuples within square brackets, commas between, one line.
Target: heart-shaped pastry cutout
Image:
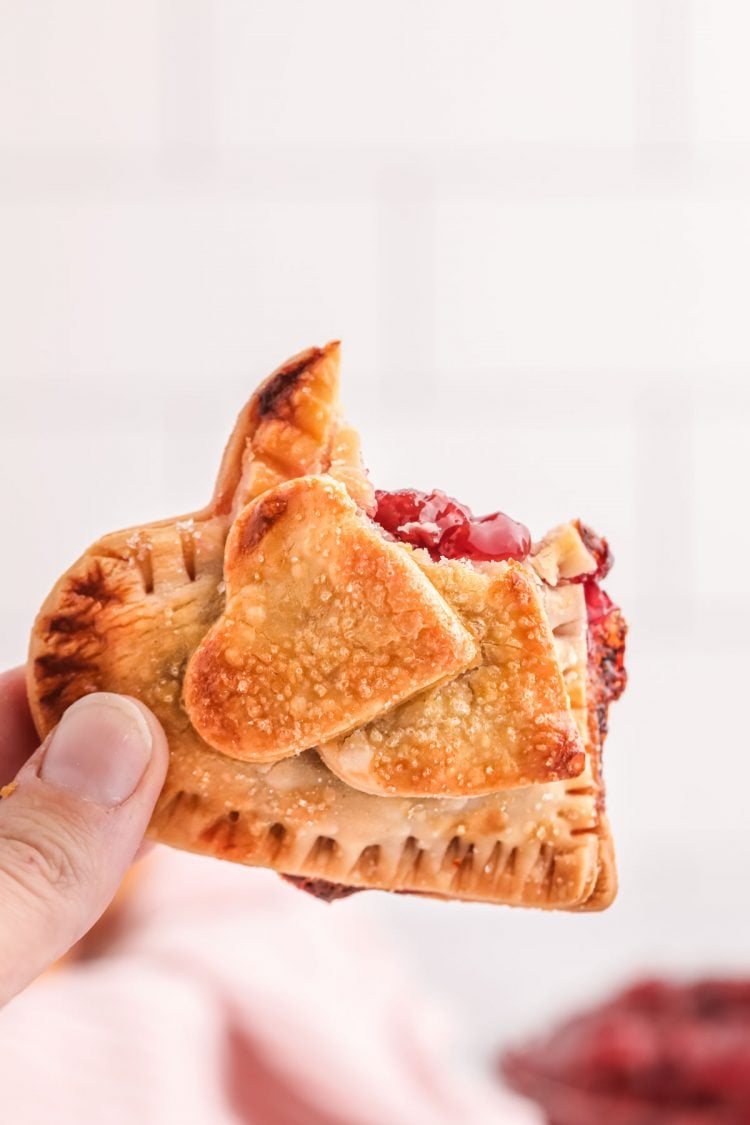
[(326, 625), (505, 723)]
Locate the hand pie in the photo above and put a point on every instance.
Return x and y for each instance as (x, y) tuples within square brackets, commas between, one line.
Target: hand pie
[(359, 689)]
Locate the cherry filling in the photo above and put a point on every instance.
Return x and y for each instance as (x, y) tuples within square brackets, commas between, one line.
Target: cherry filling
[(597, 546), (449, 529), (660, 1052), (598, 604), (322, 888)]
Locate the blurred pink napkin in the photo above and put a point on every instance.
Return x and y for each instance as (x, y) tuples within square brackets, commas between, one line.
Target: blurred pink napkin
[(230, 997)]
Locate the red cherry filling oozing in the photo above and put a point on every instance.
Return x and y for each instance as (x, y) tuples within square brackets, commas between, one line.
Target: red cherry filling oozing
[(598, 604), (606, 629), (449, 529), (597, 546)]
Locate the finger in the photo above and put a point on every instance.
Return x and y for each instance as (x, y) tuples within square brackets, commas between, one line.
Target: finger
[(71, 827), (18, 737)]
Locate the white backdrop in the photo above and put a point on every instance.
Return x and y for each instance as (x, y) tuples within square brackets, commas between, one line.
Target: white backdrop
[(529, 222)]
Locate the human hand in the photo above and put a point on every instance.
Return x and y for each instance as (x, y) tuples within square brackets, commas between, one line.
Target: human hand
[(75, 811)]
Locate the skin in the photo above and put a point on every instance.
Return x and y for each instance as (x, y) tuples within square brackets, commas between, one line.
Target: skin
[(70, 824)]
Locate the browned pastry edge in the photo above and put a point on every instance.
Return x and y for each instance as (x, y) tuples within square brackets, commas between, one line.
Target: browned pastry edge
[(274, 397), (606, 683)]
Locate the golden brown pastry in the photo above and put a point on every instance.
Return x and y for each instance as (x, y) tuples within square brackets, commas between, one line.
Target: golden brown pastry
[(326, 626), (359, 690), (504, 723)]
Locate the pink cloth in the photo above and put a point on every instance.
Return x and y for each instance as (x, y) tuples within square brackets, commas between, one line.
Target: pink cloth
[(230, 997)]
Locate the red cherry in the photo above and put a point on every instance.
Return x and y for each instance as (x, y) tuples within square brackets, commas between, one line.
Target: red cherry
[(488, 538), (448, 529), (598, 546), (598, 604), (397, 508)]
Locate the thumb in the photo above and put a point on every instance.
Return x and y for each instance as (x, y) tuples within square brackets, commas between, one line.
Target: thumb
[(69, 828)]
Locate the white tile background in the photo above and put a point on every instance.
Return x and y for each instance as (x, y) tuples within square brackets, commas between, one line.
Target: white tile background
[(530, 224)]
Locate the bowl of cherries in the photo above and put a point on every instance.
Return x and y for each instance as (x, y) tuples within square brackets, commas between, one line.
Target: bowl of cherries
[(659, 1053)]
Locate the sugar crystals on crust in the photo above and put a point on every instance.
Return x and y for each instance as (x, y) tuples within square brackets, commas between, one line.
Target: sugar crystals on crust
[(326, 625), (506, 722)]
